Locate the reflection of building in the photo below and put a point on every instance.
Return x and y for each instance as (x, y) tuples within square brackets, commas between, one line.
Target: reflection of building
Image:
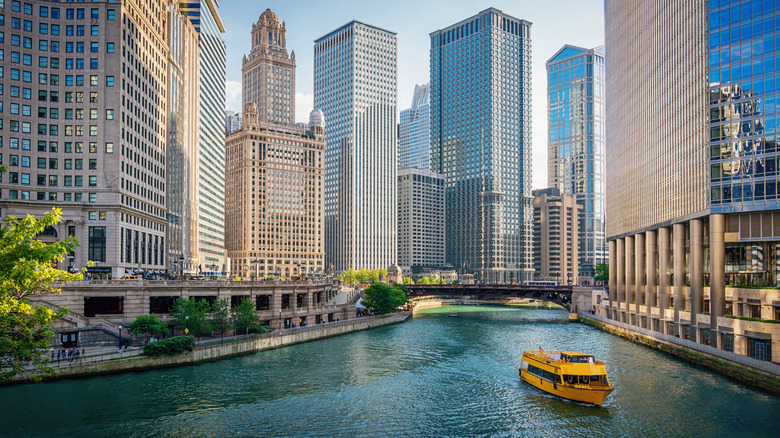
[(692, 198), (210, 223), (274, 199), (481, 141), (575, 152), (414, 146), (420, 218), (100, 114), (556, 231), (355, 86)]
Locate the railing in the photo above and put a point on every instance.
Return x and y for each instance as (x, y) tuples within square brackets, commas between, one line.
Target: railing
[(79, 359), (215, 283)]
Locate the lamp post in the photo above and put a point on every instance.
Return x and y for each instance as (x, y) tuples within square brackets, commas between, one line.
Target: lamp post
[(120, 338), (214, 270), (280, 319), (186, 325)]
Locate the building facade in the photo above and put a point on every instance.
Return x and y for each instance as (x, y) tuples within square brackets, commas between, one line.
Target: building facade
[(232, 121), (275, 198), (99, 72), (414, 131), (575, 148), (268, 72), (355, 83), (481, 141), (679, 224), (210, 226), (556, 233), (420, 218)]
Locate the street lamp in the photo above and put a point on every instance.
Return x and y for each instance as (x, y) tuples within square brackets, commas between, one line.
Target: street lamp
[(280, 319), (214, 270), (120, 338), (186, 325), (70, 258)]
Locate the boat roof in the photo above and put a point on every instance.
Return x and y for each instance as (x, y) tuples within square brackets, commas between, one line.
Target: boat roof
[(568, 353)]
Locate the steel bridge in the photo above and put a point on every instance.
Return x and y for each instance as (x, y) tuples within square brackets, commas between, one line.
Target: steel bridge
[(560, 295)]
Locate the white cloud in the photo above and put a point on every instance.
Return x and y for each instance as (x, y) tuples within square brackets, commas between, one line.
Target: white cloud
[(304, 103), (233, 96)]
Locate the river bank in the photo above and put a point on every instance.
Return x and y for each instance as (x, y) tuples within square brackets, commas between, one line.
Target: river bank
[(212, 350), (764, 380)]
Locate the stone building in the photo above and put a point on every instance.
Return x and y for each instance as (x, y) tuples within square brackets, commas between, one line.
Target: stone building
[(556, 236)]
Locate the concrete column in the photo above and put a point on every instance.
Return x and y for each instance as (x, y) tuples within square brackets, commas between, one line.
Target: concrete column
[(639, 271), (620, 271), (612, 273), (630, 272), (651, 272), (663, 271), (697, 270), (678, 249), (717, 273)]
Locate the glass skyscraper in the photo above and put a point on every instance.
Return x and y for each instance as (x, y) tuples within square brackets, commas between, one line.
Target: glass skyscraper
[(355, 83), (575, 148), (204, 15), (414, 141), (481, 141)]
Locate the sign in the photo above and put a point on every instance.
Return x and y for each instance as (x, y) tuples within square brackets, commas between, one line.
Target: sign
[(98, 270), (186, 331)]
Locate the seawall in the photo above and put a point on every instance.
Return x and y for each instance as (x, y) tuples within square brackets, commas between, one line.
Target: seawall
[(205, 353), (762, 375)]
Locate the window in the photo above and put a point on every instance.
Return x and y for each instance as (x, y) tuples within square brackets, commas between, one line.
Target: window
[(93, 197), (109, 114), (79, 181), (93, 147), (93, 80), (93, 181), (109, 81), (93, 164), (41, 163), (95, 13), (68, 181), (111, 14), (95, 30), (93, 47), (110, 47), (53, 180), (93, 113), (97, 240), (80, 30), (93, 64), (110, 148)]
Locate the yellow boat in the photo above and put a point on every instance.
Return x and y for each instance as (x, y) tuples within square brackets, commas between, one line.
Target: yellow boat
[(575, 376)]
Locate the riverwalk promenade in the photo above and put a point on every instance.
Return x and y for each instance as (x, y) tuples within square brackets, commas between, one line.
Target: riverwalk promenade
[(108, 360)]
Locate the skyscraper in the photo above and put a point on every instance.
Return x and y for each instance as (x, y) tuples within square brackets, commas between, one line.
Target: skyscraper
[(556, 219), (210, 227), (420, 218), (692, 168), (268, 72), (481, 142), (232, 121), (102, 92), (414, 141), (355, 83), (575, 148)]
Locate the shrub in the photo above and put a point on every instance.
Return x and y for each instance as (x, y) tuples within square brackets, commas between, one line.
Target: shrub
[(170, 346)]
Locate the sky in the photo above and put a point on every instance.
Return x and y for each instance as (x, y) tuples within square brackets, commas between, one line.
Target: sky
[(554, 24)]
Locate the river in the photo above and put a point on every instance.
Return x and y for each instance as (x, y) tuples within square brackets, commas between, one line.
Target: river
[(431, 376)]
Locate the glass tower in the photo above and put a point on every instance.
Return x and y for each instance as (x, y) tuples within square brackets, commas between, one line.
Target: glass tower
[(481, 141), (355, 83), (414, 141), (204, 15), (575, 148)]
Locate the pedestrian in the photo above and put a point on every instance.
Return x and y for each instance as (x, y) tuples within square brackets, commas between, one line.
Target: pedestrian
[(83, 352), (59, 354), (52, 355)]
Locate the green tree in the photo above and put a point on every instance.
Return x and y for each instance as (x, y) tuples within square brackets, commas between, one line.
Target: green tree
[(349, 276), (147, 325), (27, 268), (192, 315), (245, 316), (408, 280), (382, 298), (602, 272), (220, 316)]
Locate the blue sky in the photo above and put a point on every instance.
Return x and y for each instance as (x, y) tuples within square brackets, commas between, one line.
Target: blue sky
[(554, 23)]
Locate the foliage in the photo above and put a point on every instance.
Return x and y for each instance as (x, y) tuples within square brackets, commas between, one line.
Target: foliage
[(170, 346), (382, 298), (220, 315), (245, 316), (147, 325), (27, 268), (402, 288), (191, 314), (363, 275), (408, 280), (430, 280), (602, 272)]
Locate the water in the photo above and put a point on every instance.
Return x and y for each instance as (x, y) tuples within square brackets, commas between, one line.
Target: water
[(431, 376)]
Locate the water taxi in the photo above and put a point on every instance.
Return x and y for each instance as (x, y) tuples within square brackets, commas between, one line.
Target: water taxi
[(575, 376), (454, 314)]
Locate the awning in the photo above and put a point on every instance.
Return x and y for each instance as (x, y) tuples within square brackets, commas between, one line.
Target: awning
[(757, 335), (129, 271), (98, 270)]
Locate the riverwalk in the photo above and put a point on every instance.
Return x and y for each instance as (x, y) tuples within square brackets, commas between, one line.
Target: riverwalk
[(112, 360)]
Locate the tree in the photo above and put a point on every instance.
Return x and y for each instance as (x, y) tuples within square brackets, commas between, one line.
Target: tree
[(147, 325), (408, 280), (191, 314), (27, 268), (382, 298), (220, 316), (245, 316), (602, 272)]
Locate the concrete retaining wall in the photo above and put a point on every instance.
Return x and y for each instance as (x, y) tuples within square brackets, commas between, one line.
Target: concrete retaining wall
[(279, 338), (759, 374)]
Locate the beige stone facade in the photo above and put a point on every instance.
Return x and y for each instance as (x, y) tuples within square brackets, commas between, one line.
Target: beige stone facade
[(274, 203), (556, 236)]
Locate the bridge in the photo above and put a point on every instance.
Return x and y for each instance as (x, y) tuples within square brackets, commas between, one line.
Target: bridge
[(561, 295)]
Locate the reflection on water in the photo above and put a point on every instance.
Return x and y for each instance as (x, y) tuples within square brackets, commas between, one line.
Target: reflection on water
[(431, 376)]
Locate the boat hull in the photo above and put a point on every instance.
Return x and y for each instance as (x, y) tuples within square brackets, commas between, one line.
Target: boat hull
[(585, 395)]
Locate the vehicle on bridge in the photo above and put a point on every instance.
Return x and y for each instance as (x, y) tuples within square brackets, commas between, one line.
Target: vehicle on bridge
[(574, 376)]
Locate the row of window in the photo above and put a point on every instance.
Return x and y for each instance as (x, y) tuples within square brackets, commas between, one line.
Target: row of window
[(53, 79), (51, 196), (54, 12)]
